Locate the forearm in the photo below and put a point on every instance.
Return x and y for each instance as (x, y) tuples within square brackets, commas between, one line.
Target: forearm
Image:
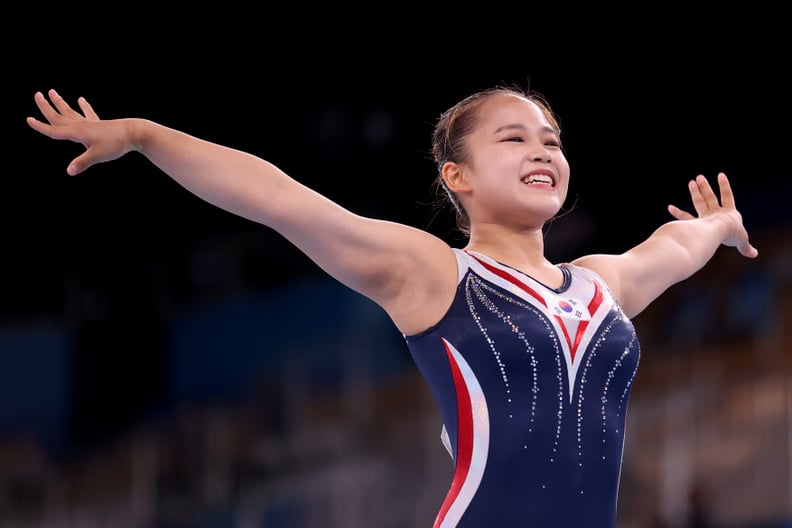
[(230, 179), (687, 245)]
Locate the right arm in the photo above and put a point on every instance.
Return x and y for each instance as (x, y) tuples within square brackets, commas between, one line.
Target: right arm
[(410, 273)]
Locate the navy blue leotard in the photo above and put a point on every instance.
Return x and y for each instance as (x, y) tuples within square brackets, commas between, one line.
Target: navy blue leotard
[(533, 384)]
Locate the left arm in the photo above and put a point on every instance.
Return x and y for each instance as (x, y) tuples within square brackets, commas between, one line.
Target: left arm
[(676, 250)]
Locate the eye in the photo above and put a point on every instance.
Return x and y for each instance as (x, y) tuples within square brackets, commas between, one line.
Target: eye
[(515, 139)]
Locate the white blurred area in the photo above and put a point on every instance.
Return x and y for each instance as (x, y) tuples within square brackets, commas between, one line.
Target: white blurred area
[(357, 443)]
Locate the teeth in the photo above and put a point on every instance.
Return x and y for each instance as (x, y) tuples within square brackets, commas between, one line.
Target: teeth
[(537, 179)]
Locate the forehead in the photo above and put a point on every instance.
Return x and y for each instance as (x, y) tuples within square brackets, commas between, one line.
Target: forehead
[(508, 109)]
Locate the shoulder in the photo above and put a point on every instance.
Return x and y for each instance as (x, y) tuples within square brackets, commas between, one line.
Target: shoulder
[(582, 272), (428, 289), (602, 267), (463, 259)]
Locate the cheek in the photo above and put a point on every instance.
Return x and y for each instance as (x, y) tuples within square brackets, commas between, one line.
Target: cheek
[(563, 173), (562, 166), (492, 159)]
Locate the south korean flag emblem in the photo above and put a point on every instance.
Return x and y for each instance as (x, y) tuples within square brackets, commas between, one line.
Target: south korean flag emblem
[(570, 308)]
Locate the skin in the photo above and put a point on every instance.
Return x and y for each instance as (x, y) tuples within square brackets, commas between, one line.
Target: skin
[(410, 273)]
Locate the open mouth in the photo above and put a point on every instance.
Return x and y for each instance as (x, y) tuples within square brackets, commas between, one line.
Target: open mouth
[(537, 179)]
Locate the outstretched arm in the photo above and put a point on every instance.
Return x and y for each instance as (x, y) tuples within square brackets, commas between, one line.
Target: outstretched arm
[(233, 180), (677, 249), (410, 273)]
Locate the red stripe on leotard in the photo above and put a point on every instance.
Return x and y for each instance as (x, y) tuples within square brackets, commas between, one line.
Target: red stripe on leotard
[(464, 451)]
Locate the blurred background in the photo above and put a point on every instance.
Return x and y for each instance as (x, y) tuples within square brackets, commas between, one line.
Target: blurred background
[(166, 364)]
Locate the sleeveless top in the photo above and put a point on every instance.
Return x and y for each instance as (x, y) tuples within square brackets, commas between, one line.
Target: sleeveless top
[(532, 384)]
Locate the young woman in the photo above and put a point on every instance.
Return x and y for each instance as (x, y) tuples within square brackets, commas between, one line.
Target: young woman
[(531, 362)]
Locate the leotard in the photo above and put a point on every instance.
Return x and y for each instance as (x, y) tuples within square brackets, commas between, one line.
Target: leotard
[(532, 385)]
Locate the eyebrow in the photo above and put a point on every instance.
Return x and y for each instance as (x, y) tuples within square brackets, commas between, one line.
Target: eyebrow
[(518, 126)]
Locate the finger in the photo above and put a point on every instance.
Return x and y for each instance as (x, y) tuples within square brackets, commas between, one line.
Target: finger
[(747, 250), (39, 126), (696, 197), (75, 167), (679, 214), (80, 163), (706, 192), (46, 129), (52, 131), (45, 107), (726, 194), (61, 105), (87, 109)]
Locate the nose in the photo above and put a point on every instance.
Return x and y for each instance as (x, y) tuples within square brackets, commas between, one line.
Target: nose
[(541, 154)]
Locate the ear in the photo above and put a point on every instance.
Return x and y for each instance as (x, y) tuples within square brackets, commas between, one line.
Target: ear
[(455, 178)]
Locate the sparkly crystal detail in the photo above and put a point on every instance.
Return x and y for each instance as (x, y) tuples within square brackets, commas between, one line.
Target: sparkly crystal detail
[(480, 295), (476, 289)]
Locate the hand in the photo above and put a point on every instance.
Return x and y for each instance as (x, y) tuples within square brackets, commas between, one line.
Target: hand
[(706, 204), (103, 140)]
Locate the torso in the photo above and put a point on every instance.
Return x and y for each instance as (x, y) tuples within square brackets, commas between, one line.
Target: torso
[(533, 384)]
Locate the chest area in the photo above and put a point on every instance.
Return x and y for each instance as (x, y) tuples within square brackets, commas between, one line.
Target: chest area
[(528, 329)]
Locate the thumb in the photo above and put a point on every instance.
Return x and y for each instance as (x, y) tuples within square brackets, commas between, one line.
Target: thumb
[(748, 250), (679, 214), (80, 164)]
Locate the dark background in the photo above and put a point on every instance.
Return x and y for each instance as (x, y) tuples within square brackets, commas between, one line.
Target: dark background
[(346, 105)]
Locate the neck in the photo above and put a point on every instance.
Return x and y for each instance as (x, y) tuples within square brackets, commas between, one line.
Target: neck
[(522, 250)]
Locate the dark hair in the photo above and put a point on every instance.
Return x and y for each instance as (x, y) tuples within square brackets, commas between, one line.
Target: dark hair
[(449, 139)]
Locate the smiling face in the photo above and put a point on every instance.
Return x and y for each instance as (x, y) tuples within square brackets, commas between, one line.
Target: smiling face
[(515, 172)]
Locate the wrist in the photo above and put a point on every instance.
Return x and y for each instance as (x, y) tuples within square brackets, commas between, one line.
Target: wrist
[(137, 133)]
